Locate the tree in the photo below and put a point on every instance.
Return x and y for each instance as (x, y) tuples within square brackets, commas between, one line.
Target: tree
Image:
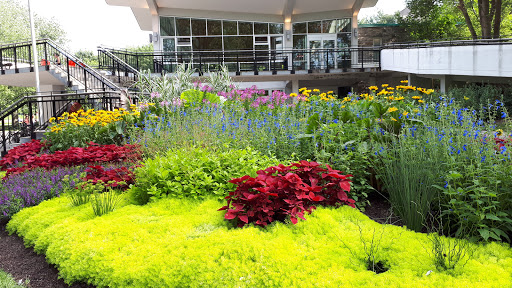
[(15, 24), (490, 16), (436, 19), (381, 18), (433, 19)]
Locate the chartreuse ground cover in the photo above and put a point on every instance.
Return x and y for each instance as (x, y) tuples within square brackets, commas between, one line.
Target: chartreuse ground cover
[(187, 243)]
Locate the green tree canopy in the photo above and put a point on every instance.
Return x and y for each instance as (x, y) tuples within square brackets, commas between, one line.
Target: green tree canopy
[(15, 24), (381, 18), (441, 19)]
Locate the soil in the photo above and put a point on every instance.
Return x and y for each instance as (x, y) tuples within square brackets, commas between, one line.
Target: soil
[(24, 264)]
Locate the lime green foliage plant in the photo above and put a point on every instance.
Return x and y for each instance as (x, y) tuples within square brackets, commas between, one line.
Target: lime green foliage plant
[(196, 98), (196, 173), (186, 243)]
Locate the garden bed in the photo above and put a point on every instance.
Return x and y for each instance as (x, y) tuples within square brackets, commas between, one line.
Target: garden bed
[(187, 243)]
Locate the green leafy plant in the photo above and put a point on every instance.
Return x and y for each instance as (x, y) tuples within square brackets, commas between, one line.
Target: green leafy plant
[(105, 202), (195, 98), (195, 172)]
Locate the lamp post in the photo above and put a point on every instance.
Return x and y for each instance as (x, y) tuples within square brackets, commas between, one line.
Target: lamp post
[(34, 48)]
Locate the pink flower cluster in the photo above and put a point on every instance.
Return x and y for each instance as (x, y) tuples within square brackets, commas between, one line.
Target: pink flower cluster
[(255, 97)]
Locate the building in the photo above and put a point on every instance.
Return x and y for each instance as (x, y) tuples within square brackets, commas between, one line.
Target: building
[(319, 30)]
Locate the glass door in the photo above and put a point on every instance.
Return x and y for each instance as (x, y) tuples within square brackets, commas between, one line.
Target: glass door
[(321, 47)]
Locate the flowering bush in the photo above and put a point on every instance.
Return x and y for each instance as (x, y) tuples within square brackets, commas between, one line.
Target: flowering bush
[(94, 153), (81, 127), (282, 191), (32, 187), (114, 177)]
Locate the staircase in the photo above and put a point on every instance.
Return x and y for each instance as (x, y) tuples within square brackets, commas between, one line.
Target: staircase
[(28, 117)]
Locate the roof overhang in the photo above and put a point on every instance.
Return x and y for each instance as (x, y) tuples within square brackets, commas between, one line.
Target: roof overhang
[(260, 10)]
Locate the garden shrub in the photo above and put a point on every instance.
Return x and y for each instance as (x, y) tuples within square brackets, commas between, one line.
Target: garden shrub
[(17, 155), (478, 96), (114, 177), (185, 243), (281, 191), (94, 153), (32, 187), (195, 172), (99, 126)]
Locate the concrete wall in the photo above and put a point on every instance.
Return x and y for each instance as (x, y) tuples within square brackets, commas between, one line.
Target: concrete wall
[(478, 60)]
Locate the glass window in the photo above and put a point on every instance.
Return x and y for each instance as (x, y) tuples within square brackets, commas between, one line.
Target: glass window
[(214, 27), (344, 40), (229, 27), (276, 42), (184, 41), (260, 28), (183, 26), (344, 25), (276, 28), (184, 48), (198, 27), (207, 43), (299, 28), (244, 28), (168, 44), (299, 41), (238, 43), (315, 27), (167, 26), (329, 26)]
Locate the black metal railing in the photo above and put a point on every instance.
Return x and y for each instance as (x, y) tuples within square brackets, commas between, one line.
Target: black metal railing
[(449, 42), (32, 113), (18, 56), (125, 62)]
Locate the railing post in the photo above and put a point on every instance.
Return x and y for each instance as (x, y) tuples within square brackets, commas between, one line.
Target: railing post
[(4, 142), (85, 78), (15, 60), (200, 64), (2, 61), (67, 71), (46, 56), (327, 62), (30, 116)]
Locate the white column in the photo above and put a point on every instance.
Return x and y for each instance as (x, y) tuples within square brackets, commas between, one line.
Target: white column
[(446, 83)]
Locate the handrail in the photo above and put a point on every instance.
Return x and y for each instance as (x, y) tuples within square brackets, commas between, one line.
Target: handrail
[(246, 60), (46, 107), (84, 66), (16, 53), (448, 43)]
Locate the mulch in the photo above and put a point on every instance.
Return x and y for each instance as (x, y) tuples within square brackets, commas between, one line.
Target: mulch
[(23, 263)]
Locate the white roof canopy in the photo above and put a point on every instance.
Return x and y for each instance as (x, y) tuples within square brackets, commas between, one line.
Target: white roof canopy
[(255, 10)]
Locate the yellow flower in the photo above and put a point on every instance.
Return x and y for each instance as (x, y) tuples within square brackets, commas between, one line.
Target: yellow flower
[(499, 132), (374, 88), (421, 101), (394, 119), (390, 88), (404, 81), (385, 85), (303, 89), (392, 109), (293, 95), (347, 99), (330, 92), (405, 113), (343, 106), (52, 119), (415, 110), (316, 90), (466, 98), (416, 97)]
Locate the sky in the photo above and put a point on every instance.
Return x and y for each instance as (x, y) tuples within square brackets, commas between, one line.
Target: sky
[(90, 23)]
